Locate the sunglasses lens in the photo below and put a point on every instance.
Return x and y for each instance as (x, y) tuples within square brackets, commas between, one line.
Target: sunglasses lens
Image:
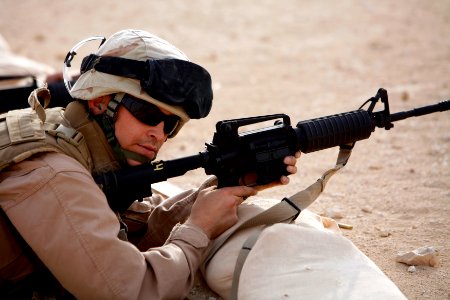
[(170, 124), (150, 114)]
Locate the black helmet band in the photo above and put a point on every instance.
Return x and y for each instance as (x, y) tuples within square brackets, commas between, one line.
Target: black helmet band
[(172, 81)]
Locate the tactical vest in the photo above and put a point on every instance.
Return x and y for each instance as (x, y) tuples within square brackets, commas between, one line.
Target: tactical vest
[(27, 132), (71, 131)]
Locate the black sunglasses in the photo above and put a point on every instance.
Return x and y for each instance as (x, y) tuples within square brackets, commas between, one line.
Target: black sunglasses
[(150, 114)]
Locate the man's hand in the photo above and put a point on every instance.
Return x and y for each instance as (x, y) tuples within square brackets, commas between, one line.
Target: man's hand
[(290, 162), (215, 210)]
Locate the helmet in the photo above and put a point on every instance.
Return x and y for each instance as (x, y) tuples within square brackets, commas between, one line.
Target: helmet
[(147, 67)]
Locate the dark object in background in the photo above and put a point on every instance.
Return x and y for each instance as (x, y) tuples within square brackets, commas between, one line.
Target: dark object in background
[(14, 92)]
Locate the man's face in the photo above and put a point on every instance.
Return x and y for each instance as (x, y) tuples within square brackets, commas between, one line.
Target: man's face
[(135, 136)]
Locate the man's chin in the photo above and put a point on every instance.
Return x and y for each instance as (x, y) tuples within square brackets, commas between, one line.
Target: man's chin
[(139, 156), (133, 162)]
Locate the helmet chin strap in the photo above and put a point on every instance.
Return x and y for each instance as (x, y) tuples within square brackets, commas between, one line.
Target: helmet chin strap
[(135, 156)]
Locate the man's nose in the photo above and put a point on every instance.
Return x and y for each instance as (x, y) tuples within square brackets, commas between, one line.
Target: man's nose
[(158, 131)]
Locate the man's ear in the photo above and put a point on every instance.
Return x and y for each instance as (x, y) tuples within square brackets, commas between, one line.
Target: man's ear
[(99, 105)]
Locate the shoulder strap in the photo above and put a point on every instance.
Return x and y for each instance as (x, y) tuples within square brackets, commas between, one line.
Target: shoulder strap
[(284, 211), (33, 101)]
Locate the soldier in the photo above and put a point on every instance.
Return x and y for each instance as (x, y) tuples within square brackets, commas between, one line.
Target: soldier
[(58, 234)]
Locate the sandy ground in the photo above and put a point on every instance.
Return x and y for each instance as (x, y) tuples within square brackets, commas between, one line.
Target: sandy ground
[(307, 59)]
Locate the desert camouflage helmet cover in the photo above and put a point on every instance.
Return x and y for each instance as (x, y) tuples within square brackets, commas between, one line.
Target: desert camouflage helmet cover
[(136, 45)]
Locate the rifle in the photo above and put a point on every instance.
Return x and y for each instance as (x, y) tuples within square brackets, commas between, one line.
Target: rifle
[(231, 155)]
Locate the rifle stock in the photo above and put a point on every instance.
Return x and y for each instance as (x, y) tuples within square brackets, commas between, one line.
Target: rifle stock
[(231, 154)]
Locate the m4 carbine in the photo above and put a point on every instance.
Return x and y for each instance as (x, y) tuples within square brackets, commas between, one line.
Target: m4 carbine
[(232, 155)]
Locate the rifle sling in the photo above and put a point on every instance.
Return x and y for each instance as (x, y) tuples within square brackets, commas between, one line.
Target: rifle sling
[(283, 211)]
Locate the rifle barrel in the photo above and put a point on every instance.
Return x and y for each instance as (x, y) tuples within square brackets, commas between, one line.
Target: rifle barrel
[(420, 111)]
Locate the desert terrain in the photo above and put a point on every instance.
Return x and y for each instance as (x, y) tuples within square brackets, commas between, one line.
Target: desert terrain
[(307, 59)]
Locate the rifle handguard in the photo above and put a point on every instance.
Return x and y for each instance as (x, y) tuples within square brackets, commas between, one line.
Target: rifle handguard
[(335, 130)]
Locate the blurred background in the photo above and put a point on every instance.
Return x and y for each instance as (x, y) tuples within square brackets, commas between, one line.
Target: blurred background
[(306, 59)]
